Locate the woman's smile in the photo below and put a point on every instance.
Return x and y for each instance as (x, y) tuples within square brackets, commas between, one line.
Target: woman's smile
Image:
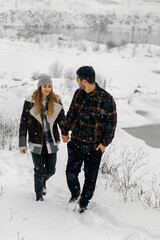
[(46, 89)]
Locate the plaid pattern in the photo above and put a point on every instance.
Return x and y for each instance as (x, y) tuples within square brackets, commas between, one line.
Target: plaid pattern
[(47, 133), (92, 118)]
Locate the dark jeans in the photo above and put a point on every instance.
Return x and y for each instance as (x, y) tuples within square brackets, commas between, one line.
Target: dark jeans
[(44, 168), (91, 159)]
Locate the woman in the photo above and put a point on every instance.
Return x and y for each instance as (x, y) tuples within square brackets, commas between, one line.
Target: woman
[(41, 113)]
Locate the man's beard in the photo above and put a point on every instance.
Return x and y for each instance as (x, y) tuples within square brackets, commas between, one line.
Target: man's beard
[(83, 87)]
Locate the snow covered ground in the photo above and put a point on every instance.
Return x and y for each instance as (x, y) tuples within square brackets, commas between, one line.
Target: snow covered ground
[(131, 74), (107, 216), (125, 70)]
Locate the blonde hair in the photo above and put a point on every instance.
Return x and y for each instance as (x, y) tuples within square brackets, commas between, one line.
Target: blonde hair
[(37, 97)]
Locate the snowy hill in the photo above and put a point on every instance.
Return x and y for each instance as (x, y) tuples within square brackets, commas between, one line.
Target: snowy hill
[(107, 216), (79, 13)]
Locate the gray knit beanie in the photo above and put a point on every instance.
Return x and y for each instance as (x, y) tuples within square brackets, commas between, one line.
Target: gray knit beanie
[(44, 79)]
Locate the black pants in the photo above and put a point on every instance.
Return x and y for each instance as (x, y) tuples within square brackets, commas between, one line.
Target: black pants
[(44, 168), (91, 159)]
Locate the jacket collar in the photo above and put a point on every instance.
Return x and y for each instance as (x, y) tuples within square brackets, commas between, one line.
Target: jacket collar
[(52, 118)]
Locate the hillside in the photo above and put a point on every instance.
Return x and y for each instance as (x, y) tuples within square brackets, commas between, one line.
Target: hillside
[(79, 13)]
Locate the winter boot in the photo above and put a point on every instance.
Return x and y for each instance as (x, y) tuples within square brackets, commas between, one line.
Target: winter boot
[(82, 209), (39, 198), (73, 200)]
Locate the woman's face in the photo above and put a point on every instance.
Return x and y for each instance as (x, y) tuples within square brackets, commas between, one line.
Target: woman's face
[(46, 89)]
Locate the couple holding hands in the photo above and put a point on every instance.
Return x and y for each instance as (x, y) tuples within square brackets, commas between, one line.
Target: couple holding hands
[(91, 119)]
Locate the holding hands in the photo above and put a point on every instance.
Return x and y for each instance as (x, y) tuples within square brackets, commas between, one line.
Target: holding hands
[(65, 138), (23, 151)]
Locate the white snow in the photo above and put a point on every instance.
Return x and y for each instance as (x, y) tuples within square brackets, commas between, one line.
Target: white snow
[(122, 13), (125, 69)]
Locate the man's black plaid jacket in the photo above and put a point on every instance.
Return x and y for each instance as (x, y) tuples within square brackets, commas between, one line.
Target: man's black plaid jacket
[(92, 118)]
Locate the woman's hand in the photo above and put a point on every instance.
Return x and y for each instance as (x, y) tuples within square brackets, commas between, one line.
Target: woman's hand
[(23, 151)]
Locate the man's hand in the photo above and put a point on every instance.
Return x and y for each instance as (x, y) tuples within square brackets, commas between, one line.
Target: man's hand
[(23, 151), (65, 138), (100, 146)]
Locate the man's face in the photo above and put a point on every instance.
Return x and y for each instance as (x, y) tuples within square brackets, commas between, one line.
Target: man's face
[(81, 85)]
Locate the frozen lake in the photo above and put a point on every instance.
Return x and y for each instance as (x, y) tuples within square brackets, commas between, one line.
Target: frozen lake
[(149, 133), (111, 36)]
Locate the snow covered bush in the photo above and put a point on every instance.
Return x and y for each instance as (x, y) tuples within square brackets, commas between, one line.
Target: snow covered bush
[(70, 74), (8, 132), (56, 69), (125, 173), (83, 47), (104, 82), (131, 172), (152, 195), (108, 169), (96, 47), (100, 79), (2, 190), (111, 44), (35, 75), (19, 236)]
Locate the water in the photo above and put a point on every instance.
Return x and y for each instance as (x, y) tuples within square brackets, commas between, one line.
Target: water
[(107, 35), (117, 36), (149, 133)]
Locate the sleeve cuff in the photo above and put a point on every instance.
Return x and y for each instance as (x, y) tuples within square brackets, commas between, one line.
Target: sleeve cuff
[(23, 148)]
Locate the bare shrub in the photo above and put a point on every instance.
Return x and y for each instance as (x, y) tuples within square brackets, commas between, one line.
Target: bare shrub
[(12, 214), (131, 172), (35, 75), (56, 69), (126, 173), (83, 47), (69, 74), (69, 78), (96, 47), (111, 44), (152, 195), (130, 98), (8, 131), (19, 236), (101, 80), (108, 169), (2, 190)]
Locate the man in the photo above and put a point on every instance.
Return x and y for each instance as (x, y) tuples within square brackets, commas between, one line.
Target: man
[(92, 120)]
